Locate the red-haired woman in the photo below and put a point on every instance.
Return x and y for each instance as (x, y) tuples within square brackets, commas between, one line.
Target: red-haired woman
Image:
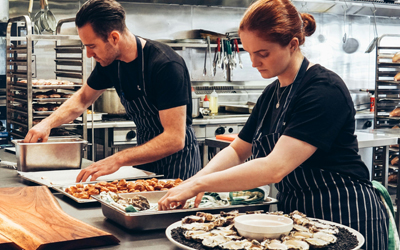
[(300, 132)]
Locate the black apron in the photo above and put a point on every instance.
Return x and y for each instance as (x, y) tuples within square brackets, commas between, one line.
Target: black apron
[(182, 164), (324, 194)]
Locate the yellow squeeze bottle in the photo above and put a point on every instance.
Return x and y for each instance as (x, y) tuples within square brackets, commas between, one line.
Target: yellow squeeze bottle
[(214, 102)]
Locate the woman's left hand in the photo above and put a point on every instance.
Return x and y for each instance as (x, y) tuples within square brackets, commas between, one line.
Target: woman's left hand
[(177, 196)]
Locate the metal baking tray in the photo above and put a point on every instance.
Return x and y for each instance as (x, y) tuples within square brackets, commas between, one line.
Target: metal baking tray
[(68, 177), (149, 220)]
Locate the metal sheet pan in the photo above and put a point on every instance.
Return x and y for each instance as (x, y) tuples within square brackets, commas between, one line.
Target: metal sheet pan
[(67, 177), (149, 220), (62, 188)]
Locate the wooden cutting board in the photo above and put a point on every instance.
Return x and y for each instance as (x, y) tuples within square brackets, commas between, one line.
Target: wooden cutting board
[(32, 218), (6, 244)]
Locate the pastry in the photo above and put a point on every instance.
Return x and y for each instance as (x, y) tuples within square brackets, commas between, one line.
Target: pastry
[(395, 160), (397, 77), (396, 57), (395, 113)]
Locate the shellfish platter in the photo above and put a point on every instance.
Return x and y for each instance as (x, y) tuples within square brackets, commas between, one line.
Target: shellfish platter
[(150, 218), (217, 231)]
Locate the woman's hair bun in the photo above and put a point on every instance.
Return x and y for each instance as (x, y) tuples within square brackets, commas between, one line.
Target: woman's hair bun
[(309, 24)]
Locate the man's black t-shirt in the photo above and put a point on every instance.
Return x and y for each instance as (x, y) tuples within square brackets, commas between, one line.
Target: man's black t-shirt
[(167, 81), (321, 114)]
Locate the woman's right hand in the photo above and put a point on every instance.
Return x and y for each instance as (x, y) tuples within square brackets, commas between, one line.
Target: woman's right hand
[(38, 133), (177, 196)]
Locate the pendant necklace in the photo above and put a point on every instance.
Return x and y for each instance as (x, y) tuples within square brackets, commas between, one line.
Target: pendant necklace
[(277, 94)]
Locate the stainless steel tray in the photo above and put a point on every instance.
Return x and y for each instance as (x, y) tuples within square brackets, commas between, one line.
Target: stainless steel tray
[(149, 220), (68, 177)]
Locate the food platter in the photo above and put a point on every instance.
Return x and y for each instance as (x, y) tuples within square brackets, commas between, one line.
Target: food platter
[(149, 220), (168, 233)]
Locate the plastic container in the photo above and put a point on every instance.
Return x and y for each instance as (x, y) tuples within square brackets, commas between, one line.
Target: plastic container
[(206, 106), (214, 102)]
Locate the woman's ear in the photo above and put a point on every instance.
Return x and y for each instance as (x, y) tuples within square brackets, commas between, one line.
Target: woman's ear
[(294, 44)]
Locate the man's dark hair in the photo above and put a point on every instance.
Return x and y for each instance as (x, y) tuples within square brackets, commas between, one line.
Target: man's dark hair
[(104, 16)]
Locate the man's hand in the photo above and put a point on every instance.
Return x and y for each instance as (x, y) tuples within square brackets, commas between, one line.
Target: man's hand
[(97, 169), (40, 132)]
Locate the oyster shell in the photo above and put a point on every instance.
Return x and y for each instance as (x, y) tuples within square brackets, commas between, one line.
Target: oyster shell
[(215, 240), (274, 245), (192, 219), (240, 244), (231, 213), (255, 245), (326, 237), (139, 201), (317, 243), (198, 226), (300, 235), (296, 245), (255, 212), (300, 228), (207, 216), (295, 213), (197, 235)]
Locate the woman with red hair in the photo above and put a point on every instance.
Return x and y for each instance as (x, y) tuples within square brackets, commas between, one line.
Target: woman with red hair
[(300, 133)]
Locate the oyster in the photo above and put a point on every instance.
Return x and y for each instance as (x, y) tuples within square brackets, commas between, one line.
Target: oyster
[(301, 235), (295, 213), (255, 245), (296, 245), (274, 245), (231, 213), (255, 212), (197, 235), (207, 216), (317, 243), (192, 218), (198, 226), (219, 222), (300, 228), (215, 240), (242, 244), (325, 237), (139, 201)]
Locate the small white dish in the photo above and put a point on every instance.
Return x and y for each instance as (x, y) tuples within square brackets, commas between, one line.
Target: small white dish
[(259, 226)]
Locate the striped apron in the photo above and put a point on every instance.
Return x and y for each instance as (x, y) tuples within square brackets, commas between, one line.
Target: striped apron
[(182, 164), (324, 194)]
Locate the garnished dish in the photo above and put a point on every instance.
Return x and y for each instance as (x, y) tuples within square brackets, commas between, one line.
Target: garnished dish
[(208, 231), (84, 191)]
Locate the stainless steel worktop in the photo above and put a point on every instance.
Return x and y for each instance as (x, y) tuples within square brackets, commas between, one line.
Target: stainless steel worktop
[(222, 119), (91, 214)]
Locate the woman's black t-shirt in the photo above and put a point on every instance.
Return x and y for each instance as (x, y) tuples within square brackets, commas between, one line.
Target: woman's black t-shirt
[(167, 81), (321, 114)]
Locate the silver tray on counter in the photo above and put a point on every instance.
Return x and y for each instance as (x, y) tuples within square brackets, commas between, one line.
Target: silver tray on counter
[(68, 177), (149, 220)]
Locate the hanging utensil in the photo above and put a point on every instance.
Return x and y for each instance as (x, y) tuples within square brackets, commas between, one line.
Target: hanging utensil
[(49, 18), (37, 17), (238, 53), (374, 41), (205, 63), (35, 28), (350, 45), (209, 53)]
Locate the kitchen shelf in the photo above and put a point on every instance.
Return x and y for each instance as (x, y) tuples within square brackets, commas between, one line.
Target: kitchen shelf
[(19, 67)]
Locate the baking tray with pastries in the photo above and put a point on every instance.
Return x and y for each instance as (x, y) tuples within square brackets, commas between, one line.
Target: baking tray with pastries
[(45, 107), (44, 82), (81, 192)]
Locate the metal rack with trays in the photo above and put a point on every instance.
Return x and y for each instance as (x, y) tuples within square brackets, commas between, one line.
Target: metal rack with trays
[(387, 98), (22, 98)]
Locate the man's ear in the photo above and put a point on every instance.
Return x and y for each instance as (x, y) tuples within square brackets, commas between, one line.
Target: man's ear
[(114, 37)]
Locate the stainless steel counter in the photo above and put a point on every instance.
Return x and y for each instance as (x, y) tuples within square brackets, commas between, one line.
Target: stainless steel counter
[(91, 214)]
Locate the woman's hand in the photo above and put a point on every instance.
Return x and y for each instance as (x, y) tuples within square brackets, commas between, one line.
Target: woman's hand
[(177, 196)]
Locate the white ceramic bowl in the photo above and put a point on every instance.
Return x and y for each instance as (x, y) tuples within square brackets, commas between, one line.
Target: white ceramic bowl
[(259, 226)]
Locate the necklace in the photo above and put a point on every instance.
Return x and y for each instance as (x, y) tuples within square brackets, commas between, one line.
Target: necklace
[(277, 95)]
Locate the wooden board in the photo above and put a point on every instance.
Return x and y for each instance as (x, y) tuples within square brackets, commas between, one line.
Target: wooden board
[(32, 218), (6, 244)]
